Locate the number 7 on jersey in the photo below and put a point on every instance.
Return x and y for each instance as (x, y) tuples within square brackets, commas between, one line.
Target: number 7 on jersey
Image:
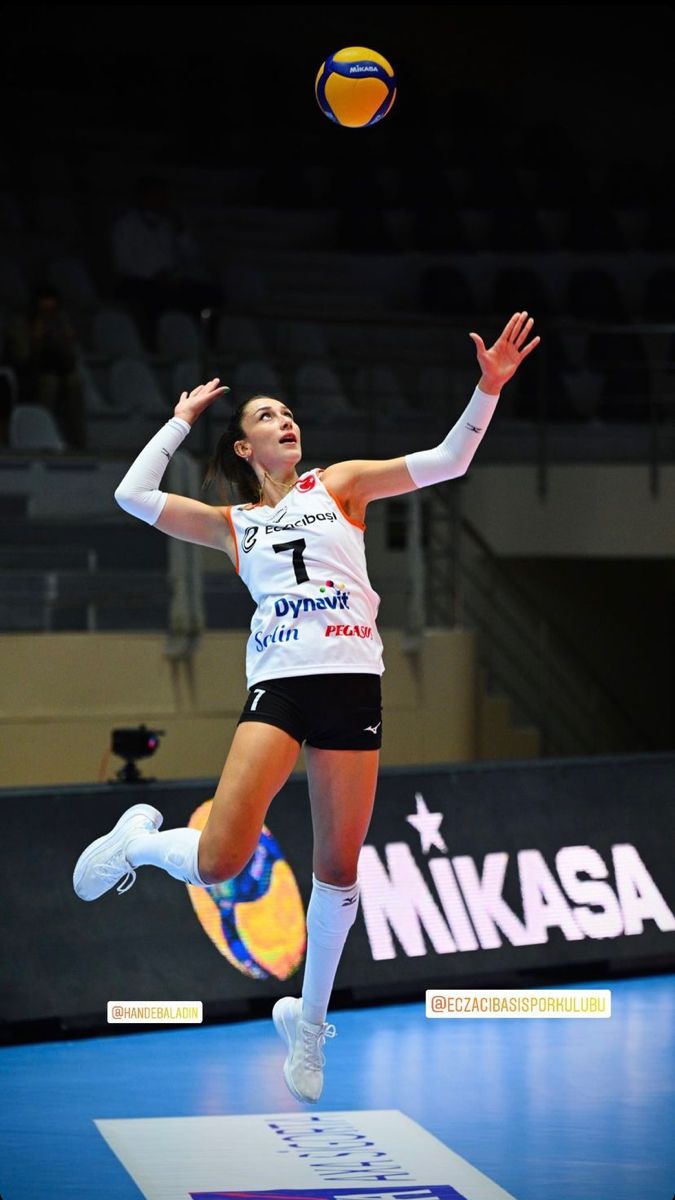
[(299, 567)]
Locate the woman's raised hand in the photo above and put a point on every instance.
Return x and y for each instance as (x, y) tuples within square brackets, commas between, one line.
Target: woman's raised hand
[(502, 359), (192, 404)]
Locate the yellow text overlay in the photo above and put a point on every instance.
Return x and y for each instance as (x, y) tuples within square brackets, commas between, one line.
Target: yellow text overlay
[(154, 1012)]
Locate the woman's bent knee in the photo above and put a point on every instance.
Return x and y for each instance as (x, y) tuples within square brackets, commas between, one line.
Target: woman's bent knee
[(217, 864)]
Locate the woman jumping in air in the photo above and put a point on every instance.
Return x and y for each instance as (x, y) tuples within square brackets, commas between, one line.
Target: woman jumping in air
[(313, 662)]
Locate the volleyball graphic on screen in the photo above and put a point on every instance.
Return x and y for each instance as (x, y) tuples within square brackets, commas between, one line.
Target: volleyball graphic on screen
[(257, 919), (355, 87)]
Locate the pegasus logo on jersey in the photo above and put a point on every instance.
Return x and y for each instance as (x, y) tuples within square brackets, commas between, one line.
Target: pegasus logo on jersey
[(362, 631), (305, 604)]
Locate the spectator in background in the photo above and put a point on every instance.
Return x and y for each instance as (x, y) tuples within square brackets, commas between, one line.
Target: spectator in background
[(156, 261), (42, 348)]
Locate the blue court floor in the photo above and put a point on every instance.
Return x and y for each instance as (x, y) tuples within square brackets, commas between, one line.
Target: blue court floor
[(566, 1109)]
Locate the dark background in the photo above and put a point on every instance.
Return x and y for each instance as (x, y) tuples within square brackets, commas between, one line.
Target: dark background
[(214, 76)]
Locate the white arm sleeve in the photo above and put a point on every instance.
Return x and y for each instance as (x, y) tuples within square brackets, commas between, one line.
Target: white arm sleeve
[(138, 492), (452, 457)]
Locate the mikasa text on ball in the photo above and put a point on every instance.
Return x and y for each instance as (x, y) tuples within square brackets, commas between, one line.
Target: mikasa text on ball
[(355, 87)]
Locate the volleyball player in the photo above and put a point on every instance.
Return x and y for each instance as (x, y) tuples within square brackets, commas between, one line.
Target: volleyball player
[(313, 662)]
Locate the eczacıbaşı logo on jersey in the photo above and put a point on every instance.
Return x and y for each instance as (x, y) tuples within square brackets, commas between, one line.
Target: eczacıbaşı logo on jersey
[(277, 525), (459, 906)]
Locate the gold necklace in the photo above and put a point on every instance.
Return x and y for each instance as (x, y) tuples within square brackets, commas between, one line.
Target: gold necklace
[(287, 488)]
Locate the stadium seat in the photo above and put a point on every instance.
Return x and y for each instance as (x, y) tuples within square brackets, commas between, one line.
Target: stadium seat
[(256, 376), (32, 427), (115, 335), (378, 391), (132, 384), (95, 400), (178, 336), (185, 375), (318, 392)]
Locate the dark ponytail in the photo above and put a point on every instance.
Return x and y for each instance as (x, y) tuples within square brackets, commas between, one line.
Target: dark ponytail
[(226, 466)]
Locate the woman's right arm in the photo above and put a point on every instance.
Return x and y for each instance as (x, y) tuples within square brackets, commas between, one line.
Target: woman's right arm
[(178, 516)]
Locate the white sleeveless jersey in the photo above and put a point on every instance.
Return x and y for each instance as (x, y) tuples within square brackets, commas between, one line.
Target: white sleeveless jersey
[(304, 564)]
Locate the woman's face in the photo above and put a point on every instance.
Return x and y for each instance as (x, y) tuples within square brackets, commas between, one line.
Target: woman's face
[(272, 438)]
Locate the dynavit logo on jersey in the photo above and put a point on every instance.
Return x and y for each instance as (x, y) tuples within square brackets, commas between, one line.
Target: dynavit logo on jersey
[(458, 904), (444, 1192), (305, 604)]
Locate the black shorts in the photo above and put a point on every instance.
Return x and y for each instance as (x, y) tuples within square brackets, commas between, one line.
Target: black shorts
[(331, 712)]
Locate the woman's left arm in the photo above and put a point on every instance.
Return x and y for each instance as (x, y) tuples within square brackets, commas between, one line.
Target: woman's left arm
[(359, 481)]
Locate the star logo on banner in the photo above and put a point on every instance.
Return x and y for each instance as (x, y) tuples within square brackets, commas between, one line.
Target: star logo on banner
[(427, 825)]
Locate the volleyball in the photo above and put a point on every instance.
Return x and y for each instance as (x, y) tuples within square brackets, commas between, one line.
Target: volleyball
[(355, 87)]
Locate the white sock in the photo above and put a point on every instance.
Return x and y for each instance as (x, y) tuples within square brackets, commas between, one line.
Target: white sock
[(175, 850), (330, 915)]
